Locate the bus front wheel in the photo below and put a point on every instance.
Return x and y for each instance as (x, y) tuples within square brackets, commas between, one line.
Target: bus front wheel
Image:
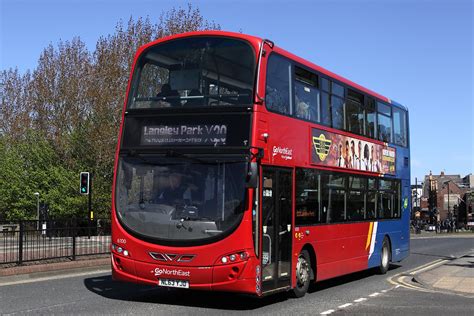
[(384, 256), (303, 274)]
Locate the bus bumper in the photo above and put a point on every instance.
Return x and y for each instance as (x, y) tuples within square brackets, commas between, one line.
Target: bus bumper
[(237, 277)]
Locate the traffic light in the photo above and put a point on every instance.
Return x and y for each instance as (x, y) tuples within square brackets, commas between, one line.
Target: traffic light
[(85, 182)]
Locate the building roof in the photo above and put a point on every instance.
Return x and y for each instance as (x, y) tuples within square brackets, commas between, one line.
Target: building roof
[(440, 179)]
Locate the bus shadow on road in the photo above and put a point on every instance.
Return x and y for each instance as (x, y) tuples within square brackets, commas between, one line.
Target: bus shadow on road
[(345, 279), (106, 287)]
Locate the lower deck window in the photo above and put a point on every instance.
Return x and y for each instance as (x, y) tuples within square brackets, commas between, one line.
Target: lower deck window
[(331, 197)]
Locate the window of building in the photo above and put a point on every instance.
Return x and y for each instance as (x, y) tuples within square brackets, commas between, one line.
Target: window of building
[(307, 197), (399, 127), (384, 120), (277, 97), (306, 95)]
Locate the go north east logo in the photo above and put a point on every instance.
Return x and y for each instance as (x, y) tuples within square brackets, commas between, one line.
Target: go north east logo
[(173, 272), (322, 146)]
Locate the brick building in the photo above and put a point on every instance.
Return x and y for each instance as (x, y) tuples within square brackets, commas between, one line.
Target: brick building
[(446, 194)]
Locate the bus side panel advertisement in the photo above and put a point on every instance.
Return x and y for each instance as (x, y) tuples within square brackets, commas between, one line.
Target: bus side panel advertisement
[(336, 150)]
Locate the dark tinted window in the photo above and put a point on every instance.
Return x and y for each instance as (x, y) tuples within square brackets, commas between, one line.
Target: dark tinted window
[(370, 129), (307, 197), (385, 205), (337, 89), (355, 117), (388, 204), (325, 84), (371, 204), (355, 205), (337, 111), (325, 109), (277, 97), (333, 196), (355, 112)]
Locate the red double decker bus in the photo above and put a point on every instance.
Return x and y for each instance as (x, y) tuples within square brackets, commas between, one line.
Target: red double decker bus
[(241, 167)]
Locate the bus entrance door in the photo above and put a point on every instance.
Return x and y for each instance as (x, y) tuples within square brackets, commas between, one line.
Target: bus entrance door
[(276, 228)]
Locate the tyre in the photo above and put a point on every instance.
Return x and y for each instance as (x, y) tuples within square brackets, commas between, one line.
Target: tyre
[(385, 257), (303, 274)]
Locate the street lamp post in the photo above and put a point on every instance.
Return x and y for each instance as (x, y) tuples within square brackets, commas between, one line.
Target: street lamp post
[(37, 209)]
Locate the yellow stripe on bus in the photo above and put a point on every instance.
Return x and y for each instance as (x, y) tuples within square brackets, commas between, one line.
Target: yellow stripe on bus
[(369, 236)]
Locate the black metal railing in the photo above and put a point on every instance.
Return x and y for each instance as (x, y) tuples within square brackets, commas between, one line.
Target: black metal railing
[(26, 241)]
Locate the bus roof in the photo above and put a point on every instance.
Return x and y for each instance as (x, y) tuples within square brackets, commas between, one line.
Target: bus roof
[(256, 41)]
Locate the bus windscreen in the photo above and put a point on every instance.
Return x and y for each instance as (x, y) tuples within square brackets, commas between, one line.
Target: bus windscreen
[(194, 72)]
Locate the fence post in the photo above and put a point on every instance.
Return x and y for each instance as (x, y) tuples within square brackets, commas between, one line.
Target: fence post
[(73, 226), (74, 246), (20, 244)]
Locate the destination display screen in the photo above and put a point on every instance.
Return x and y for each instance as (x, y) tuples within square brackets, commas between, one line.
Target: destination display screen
[(185, 130), (185, 134)]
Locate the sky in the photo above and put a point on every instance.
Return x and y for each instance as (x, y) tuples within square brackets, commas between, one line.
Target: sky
[(417, 52)]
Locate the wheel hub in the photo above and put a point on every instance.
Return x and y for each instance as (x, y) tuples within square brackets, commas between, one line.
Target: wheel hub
[(302, 271)]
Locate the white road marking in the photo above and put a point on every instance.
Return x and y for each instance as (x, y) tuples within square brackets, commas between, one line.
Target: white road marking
[(345, 305), (360, 300), (328, 312), (55, 277)]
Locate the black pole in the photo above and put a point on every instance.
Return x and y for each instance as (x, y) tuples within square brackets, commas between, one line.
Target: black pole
[(416, 192)]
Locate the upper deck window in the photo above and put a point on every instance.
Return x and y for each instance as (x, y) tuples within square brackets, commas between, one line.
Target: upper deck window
[(355, 113), (384, 118), (370, 127), (306, 95), (277, 96), (337, 105), (194, 72), (400, 127)]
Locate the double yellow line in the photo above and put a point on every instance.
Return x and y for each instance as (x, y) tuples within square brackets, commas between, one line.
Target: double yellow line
[(399, 279)]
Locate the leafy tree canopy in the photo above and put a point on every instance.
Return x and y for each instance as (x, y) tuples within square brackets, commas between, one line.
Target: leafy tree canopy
[(63, 117)]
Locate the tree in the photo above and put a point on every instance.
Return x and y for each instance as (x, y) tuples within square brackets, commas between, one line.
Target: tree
[(73, 101)]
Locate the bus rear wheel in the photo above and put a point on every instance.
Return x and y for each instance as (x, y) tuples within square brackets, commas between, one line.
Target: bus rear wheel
[(384, 257), (303, 274)]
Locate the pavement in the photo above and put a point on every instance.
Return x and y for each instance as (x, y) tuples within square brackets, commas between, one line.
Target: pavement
[(30, 273), (455, 276)]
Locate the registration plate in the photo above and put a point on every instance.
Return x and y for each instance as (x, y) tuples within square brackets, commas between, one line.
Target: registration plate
[(182, 284)]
